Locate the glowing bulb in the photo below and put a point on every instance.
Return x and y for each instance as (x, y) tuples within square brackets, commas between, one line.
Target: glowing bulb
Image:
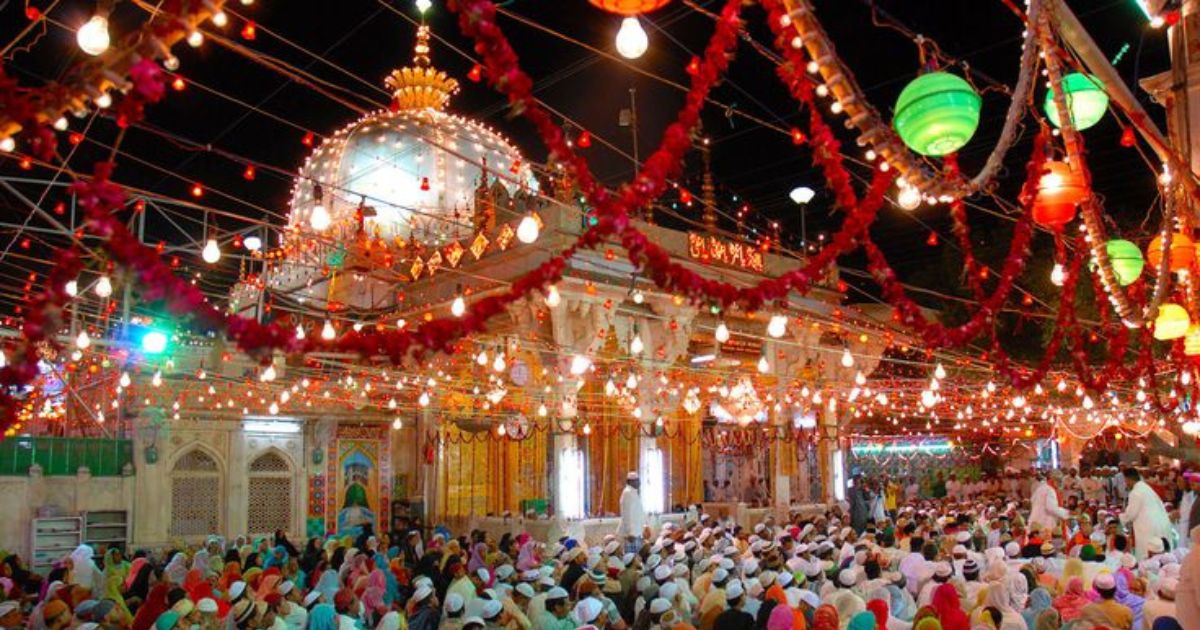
[(802, 195), (542, 411), (639, 297), (299, 331), (423, 5), (396, 424), (327, 331), (635, 346), (1058, 275), (423, 400), (553, 299), (61, 123), (847, 358), (252, 243), (104, 101), (156, 380), (763, 365), (268, 374), (722, 333), (631, 39), (195, 39), (458, 307), (273, 409), (939, 372), (124, 381), (319, 219), (527, 229), (220, 20), (212, 251), (7, 145), (83, 341), (777, 326), (579, 364), (71, 287), (93, 37), (499, 364), (909, 198)]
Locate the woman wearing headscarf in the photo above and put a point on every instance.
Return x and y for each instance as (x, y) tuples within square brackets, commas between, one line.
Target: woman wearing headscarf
[(83, 570), (928, 623), (266, 586), (328, 585), (527, 557), (176, 570), (374, 593), (1072, 568), (848, 604), (138, 583), (1048, 619), (949, 608), (155, 605), (883, 615), (1070, 604), (825, 618), (322, 617), (864, 620), (230, 573), (999, 598), (281, 540), (278, 557), (1133, 602), (901, 603), (1039, 600), (477, 561), (115, 564), (781, 618)]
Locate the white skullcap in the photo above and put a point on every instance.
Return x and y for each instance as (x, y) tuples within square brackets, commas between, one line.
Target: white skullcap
[(505, 571), (525, 589), (659, 606), (734, 590), (784, 579), (1104, 581), (587, 609), (662, 572), (422, 593), (1012, 549), (491, 609), (454, 602)]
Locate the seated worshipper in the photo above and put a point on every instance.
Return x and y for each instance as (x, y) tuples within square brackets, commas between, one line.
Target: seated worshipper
[(1163, 606), (733, 617), (1107, 611)]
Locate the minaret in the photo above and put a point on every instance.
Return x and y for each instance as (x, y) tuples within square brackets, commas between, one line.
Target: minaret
[(708, 190)]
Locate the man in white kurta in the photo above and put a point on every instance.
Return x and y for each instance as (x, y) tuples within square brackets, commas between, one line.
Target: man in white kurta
[(1045, 513), (633, 515), (1145, 513)]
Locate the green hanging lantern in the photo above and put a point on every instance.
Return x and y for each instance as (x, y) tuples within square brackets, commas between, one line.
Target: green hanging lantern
[(1085, 98), (937, 113), (1127, 261)]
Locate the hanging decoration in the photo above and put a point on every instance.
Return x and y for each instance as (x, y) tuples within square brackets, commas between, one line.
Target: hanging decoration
[(937, 113), (1085, 97)]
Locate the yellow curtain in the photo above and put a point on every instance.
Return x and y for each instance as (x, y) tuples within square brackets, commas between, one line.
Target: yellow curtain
[(685, 463), (516, 472)]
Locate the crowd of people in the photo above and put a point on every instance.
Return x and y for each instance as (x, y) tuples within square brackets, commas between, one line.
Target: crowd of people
[(1046, 560)]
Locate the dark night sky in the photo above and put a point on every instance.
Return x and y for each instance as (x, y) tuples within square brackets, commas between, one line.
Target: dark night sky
[(367, 39)]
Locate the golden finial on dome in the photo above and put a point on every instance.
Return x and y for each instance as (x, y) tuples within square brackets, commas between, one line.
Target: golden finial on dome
[(421, 86)]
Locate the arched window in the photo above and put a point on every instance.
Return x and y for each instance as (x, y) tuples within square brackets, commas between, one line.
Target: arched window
[(269, 494), (195, 495)]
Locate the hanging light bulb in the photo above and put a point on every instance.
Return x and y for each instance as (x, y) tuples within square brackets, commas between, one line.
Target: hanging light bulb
[(273, 409), (631, 39), (939, 372), (542, 411), (327, 331), (458, 307), (639, 297), (8, 145), (319, 218), (847, 358), (268, 374), (482, 358), (423, 5), (212, 251), (195, 39), (71, 287), (499, 365), (103, 287), (93, 37), (220, 19), (299, 331), (635, 346), (908, 197), (527, 229), (156, 380), (763, 365), (722, 333), (396, 424), (1058, 275), (777, 326), (83, 340), (553, 299), (423, 400), (579, 365)]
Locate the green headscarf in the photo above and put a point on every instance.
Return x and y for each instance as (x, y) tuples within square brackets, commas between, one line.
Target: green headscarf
[(928, 623), (167, 620), (863, 621)]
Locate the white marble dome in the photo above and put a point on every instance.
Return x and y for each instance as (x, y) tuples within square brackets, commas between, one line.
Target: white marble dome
[(417, 168)]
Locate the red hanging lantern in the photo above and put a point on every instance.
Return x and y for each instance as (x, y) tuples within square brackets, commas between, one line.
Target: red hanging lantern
[(1181, 257), (585, 140), (1060, 190), (476, 73), (1128, 139), (425, 183), (629, 7)]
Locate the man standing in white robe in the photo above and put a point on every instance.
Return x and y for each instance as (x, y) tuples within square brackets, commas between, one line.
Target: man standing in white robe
[(1045, 513), (633, 515), (1145, 513)]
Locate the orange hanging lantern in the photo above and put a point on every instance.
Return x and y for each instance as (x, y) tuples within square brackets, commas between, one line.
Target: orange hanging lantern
[(1181, 257), (1060, 190), (629, 7)]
